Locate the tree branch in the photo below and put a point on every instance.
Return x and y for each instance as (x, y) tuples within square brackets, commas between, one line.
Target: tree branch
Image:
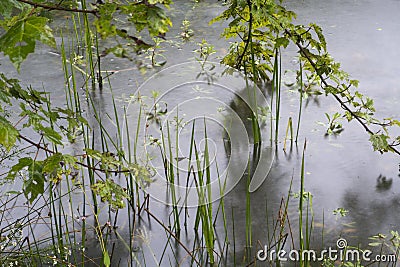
[(342, 103), (48, 7), (38, 146)]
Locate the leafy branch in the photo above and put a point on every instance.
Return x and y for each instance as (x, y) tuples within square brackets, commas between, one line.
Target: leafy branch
[(57, 7), (379, 141), (49, 123), (24, 28), (268, 27), (46, 149)]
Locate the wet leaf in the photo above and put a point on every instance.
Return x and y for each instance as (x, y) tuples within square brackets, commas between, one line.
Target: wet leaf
[(52, 135), (104, 22), (54, 168), (34, 185), (151, 17), (110, 192), (34, 182), (8, 134), (20, 39), (106, 259), (22, 163), (281, 41), (7, 7), (379, 142)]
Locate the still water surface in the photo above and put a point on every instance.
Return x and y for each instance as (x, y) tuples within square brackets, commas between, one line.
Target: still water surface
[(341, 171)]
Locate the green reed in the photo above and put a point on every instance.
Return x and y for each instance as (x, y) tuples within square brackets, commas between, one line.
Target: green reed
[(300, 101), (289, 128), (276, 88), (249, 236), (204, 212)]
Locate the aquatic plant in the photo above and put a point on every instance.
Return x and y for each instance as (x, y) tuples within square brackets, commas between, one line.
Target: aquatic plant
[(82, 194)]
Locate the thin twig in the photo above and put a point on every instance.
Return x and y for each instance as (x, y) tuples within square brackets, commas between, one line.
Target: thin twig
[(38, 146), (48, 7), (172, 234), (249, 37), (342, 103)]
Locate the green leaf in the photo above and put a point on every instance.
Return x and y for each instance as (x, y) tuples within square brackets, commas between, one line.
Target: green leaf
[(52, 163), (151, 17), (104, 22), (34, 185), (158, 21), (7, 7), (354, 83), (8, 134), (281, 41), (20, 39), (321, 37), (379, 142), (395, 122), (8, 88), (110, 192), (53, 166), (22, 163), (51, 135), (106, 259)]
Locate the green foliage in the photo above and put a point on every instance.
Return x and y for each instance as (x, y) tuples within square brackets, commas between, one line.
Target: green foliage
[(10, 88), (34, 172), (379, 142), (34, 185), (31, 102), (391, 242), (55, 166), (74, 120), (106, 259), (258, 24), (147, 16), (8, 134), (21, 35), (7, 6), (31, 24), (34, 179), (111, 18), (104, 23), (204, 51), (108, 160), (110, 192), (334, 126), (340, 211), (264, 27), (259, 28), (187, 32)]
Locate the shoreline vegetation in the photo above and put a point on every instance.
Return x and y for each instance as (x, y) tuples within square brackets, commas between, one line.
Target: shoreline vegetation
[(142, 182)]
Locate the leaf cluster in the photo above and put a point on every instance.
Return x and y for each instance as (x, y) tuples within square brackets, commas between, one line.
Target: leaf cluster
[(259, 29), (255, 27)]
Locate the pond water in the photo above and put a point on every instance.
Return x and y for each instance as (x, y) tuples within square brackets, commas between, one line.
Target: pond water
[(341, 171)]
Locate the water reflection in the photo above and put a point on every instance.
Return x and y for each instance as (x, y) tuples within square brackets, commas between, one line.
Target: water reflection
[(341, 171)]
